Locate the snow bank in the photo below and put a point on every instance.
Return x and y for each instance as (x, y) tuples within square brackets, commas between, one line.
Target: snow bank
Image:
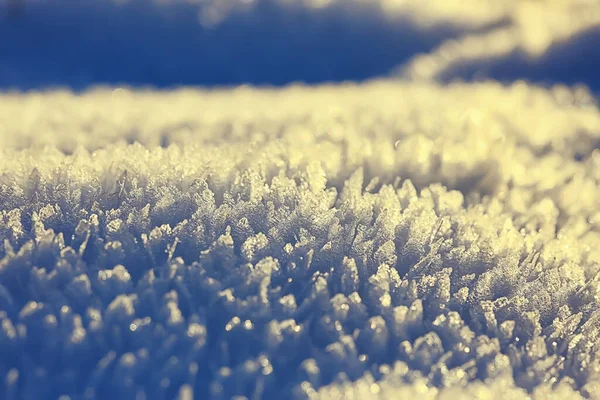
[(355, 241), (543, 41)]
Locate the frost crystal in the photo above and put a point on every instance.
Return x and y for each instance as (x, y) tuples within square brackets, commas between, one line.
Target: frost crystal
[(318, 245)]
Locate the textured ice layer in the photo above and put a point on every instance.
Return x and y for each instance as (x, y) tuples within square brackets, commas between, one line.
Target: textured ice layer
[(385, 240)]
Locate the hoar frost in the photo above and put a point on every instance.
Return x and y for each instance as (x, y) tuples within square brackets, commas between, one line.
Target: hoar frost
[(319, 244)]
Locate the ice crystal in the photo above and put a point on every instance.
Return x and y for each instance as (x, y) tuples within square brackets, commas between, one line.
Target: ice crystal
[(307, 242)]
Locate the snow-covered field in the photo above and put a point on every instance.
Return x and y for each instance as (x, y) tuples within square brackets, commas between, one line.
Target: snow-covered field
[(420, 222)]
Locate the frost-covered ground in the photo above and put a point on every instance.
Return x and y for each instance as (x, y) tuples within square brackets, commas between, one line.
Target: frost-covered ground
[(397, 238)]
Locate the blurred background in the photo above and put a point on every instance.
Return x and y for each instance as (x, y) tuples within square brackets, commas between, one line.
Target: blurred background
[(167, 43)]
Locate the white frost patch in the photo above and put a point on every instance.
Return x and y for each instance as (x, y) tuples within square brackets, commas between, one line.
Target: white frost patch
[(357, 241)]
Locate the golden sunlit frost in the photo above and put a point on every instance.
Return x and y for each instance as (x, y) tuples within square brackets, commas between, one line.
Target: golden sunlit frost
[(387, 239)]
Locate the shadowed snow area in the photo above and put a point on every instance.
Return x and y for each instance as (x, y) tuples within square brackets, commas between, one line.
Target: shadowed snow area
[(221, 42), (275, 42), (335, 242), (547, 42), (572, 61)]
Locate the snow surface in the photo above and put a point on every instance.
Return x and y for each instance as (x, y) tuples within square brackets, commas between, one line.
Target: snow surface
[(544, 41), (397, 238), (266, 242)]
